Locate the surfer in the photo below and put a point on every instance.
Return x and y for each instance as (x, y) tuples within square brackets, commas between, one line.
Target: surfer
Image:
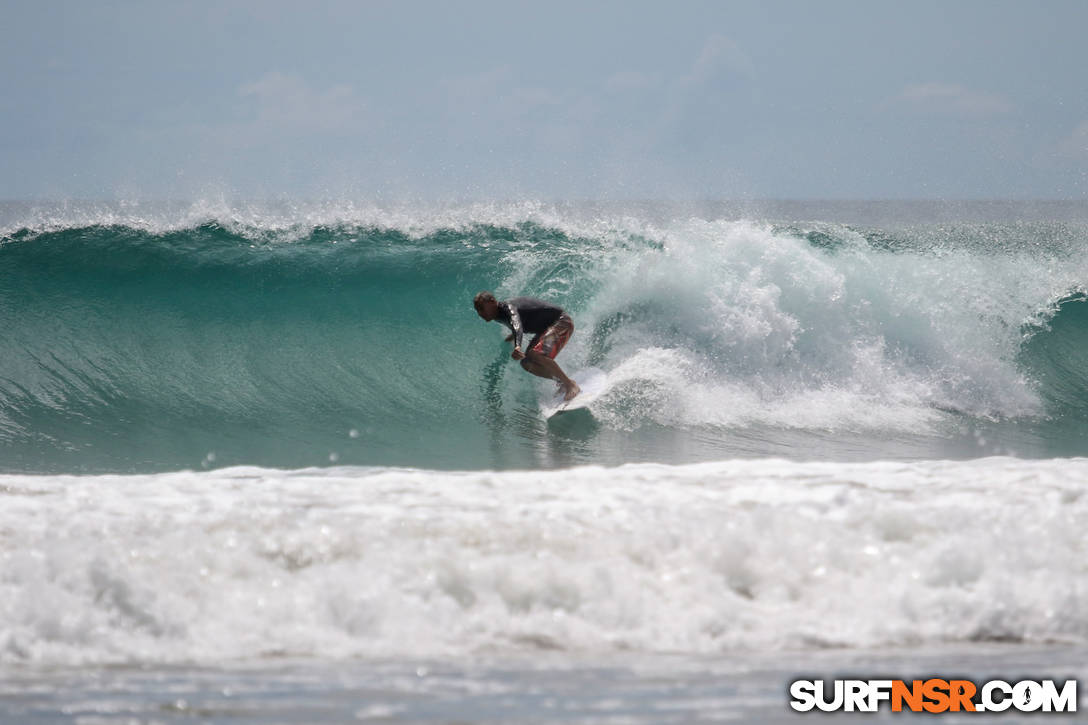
[(551, 326)]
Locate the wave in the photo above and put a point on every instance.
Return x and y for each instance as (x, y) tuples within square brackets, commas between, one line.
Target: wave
[(136, 344), (1054, 352), (766, 555)]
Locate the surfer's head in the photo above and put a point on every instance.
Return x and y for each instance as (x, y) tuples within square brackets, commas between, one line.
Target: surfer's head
[(486, 306)]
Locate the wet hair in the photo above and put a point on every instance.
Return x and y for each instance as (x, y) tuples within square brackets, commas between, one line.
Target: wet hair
[(481, 298)]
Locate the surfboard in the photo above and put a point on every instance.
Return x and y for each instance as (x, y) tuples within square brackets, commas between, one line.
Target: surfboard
[(592, 381)]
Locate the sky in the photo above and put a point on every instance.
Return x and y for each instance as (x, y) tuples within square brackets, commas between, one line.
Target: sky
[(549, 100)]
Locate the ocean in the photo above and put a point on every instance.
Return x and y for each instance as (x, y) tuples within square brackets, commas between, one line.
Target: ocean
[(262, 462)]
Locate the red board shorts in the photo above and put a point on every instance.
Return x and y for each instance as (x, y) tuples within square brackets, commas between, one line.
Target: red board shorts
[(552, 340)]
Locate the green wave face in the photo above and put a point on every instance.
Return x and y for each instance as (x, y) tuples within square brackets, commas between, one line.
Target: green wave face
[(129, 349), (141, 350), (1055, 355)]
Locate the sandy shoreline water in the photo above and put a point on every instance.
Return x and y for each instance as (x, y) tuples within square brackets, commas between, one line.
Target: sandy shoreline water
[(550, 688)]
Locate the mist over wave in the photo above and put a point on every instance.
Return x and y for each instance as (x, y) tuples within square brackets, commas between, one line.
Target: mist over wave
[(143, 340)]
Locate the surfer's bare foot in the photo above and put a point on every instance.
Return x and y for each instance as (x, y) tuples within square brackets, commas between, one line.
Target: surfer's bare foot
[(571, 391)]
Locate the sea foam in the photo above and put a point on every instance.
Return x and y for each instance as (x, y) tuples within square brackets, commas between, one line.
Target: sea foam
[(247, 563)]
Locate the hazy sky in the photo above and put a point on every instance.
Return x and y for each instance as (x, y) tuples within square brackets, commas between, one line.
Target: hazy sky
[(548, 100)]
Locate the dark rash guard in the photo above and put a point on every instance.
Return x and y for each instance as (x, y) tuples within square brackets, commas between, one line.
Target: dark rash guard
[(527, 314)]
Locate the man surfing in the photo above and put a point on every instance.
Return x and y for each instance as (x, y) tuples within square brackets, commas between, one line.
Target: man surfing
[(550, 325)]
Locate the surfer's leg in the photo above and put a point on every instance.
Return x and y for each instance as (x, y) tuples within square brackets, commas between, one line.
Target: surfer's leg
[(540, 359), (543, 366)]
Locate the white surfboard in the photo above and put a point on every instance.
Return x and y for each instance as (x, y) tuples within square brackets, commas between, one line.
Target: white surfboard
[(592, 381)]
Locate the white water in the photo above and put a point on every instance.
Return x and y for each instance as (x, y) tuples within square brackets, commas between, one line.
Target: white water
[(732, 324), (705, 558)]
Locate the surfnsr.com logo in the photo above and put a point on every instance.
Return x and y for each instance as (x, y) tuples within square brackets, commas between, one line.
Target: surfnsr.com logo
[(934, 695)]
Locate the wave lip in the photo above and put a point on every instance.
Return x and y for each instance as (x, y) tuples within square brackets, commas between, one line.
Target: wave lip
[(246, 563)]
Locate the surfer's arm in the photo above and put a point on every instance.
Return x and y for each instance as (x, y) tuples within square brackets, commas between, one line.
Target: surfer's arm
[(515, 326)]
